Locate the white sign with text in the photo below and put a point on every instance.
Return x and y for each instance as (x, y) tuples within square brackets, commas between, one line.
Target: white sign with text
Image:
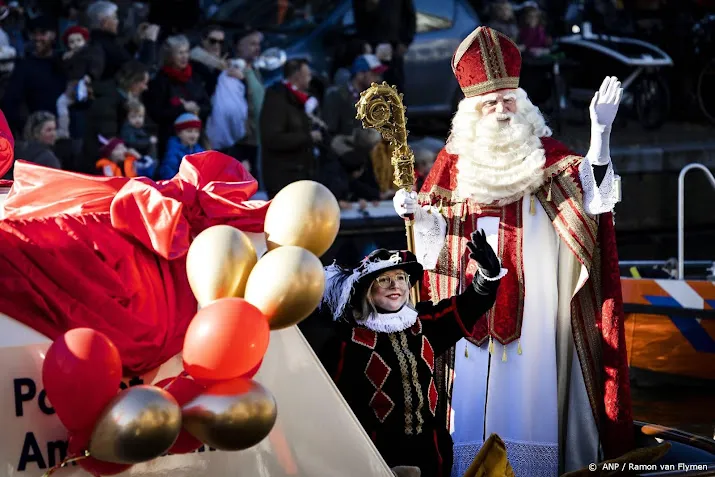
[(316, 434)]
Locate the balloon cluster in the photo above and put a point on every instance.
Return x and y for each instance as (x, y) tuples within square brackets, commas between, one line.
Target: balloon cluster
[(214, 401)]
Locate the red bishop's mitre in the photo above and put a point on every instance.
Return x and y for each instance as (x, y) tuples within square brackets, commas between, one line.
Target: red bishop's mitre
[(485, 62)]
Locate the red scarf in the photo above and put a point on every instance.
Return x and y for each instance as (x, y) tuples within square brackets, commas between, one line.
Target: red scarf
[(182, 76), (299, 95)]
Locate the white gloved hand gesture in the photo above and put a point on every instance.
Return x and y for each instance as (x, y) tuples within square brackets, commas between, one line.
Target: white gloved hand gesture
[(603, 109), (405, 203), (604, 104)]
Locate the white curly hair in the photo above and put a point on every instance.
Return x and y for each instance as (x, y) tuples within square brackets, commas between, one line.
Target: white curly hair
[(498, 162)]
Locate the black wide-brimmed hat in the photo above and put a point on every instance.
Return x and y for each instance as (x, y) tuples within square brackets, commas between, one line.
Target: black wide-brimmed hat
[(345, 287)]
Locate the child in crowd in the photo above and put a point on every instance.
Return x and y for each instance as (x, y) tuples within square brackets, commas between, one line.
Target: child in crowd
[(133, 131), (533, 32), (81, 64), (80, 61), (188, 131), (116, 160)]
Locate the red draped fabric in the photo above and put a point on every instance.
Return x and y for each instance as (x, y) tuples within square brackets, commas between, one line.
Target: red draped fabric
[(109, 252), (7, 150)]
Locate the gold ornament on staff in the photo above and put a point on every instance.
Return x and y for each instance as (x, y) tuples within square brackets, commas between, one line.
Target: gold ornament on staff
[(380, 107)]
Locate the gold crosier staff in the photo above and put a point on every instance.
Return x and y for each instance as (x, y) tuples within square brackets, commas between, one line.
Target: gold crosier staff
[(380, 107)]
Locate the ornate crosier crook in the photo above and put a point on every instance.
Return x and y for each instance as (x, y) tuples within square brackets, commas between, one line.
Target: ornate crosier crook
[(380, 107)]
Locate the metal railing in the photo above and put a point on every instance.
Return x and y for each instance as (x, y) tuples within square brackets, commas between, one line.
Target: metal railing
[(661, 263), (681, 210)]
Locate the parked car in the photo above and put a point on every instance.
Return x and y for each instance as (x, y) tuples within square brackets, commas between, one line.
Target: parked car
[(317, 32)]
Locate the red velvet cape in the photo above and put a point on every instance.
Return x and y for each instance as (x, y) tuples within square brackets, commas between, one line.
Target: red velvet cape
[(109, 252), (598, 320)]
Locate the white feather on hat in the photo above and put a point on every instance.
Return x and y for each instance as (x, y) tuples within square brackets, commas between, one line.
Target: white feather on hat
[(340, 282)]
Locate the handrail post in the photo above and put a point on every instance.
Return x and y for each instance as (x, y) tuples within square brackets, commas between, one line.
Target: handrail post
[(681, 211)]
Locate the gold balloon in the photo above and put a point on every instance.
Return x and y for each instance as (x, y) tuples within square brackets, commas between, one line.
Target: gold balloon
[(232, 415), (305, 214), (138, 425), (286, 284), (219, 262)]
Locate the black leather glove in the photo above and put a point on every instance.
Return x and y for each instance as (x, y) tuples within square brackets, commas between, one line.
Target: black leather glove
[(481, 252)]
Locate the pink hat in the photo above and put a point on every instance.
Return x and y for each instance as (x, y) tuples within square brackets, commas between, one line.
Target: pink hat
[(109, 146)]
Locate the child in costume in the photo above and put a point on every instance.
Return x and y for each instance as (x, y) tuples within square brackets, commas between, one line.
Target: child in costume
[(116, 160), (188, 132), (381, 351)]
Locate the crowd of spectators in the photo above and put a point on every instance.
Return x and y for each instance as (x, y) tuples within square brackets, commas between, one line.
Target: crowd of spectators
[(118, 88), (128, 88)]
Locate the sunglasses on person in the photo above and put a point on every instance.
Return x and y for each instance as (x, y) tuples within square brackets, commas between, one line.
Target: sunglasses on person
[(385, 281), (215, 41)]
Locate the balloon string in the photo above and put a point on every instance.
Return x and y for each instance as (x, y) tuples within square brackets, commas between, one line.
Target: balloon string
[(64, 463)]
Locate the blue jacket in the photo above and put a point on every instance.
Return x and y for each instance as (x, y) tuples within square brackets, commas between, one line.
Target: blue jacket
[(175, 152)]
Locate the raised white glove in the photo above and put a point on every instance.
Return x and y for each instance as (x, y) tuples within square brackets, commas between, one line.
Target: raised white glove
[(405, 203), (603, 110)]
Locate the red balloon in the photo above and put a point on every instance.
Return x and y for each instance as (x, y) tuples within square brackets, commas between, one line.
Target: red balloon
[(184, 390), (81, 374), (206, 383), (254, 371), (225, 340), (78, 444)]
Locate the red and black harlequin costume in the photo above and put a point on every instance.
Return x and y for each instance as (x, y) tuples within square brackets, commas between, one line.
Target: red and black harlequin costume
[(384, 366)]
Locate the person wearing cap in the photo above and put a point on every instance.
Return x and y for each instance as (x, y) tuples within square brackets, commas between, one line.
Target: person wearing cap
[(380, 350), (186, 141), (339, 104), (80, 61), (82, 65), (549, 375), (36, 81), (116, 160)]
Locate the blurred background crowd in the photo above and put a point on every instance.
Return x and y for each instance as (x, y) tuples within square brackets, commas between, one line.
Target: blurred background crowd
[(129, 87)]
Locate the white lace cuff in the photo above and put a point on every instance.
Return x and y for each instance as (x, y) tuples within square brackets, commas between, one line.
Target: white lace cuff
[(599, 199), (430, 234), (502, 274)]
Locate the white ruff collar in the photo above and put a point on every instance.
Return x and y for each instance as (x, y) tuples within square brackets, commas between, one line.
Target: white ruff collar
[(390, 322)]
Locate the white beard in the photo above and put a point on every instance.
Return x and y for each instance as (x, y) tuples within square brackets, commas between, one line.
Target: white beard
[(499, 161)]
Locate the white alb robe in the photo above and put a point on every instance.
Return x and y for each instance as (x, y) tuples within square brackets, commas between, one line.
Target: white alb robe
[(520, 403), (519, 399)]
